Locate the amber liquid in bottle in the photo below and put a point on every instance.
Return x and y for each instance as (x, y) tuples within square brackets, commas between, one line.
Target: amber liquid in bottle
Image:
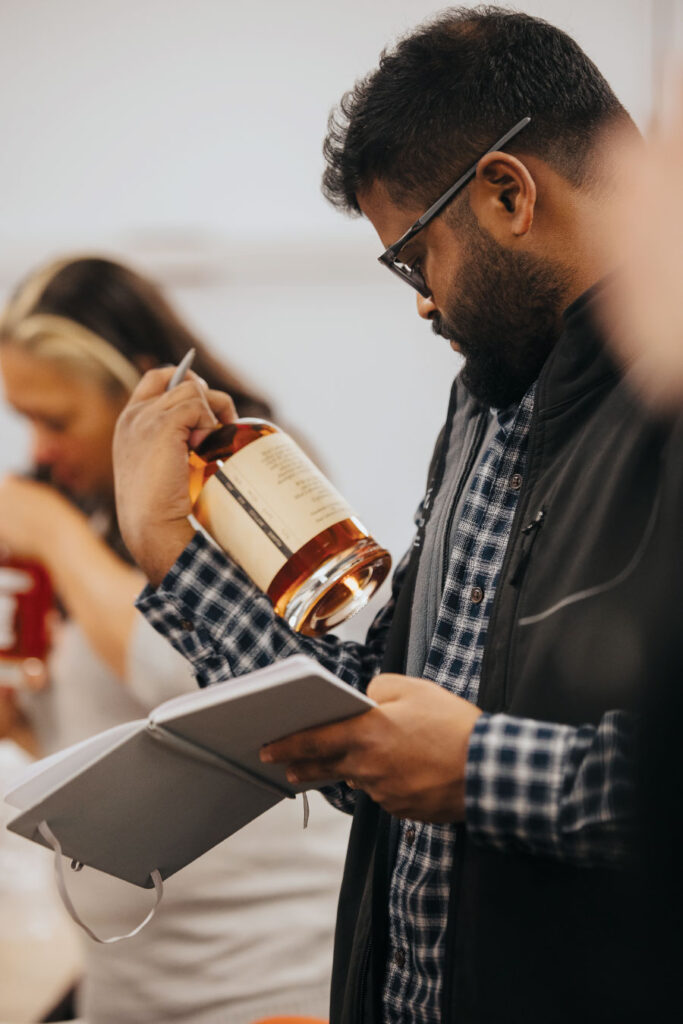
[(263, 508)]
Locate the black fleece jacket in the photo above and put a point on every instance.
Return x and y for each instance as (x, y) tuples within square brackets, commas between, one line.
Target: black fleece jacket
[(572, 635)]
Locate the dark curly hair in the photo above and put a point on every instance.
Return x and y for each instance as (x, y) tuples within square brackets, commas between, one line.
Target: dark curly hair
[(443, 94)]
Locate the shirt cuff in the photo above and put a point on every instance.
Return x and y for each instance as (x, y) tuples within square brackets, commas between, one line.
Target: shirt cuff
[(514, 781), (204, 596)]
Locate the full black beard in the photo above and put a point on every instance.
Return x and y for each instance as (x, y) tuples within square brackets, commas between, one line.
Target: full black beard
[(505, 317)]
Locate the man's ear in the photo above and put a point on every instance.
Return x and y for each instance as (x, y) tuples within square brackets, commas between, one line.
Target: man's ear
[(503, 197)]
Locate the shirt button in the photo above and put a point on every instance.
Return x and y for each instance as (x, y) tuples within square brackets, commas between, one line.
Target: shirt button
[(400, 959), (186, 624), (410, 835), (477, 595), (515, 481)]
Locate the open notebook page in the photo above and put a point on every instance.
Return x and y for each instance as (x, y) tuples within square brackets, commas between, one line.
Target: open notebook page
[(46, 775)]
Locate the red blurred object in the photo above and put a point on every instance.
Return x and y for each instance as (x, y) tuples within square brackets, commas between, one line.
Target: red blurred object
[(25, 600)]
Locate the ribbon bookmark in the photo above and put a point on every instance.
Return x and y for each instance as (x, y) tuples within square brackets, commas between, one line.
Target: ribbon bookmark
[(49, 836)]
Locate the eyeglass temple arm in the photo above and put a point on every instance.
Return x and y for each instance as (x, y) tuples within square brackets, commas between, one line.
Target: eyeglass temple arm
[(442, 200), (447, 196)]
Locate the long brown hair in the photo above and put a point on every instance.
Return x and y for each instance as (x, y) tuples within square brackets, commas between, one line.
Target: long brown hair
[(126, 310)]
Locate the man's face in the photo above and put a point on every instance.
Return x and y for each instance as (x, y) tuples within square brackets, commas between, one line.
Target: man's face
[(501, 309)]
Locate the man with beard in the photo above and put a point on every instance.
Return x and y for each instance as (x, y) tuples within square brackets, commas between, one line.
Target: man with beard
[(491, 787)]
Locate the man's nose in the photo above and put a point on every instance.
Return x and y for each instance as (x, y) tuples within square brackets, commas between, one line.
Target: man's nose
[(426, 308)]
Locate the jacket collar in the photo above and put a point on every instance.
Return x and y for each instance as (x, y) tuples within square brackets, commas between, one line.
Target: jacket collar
[(580, 362)]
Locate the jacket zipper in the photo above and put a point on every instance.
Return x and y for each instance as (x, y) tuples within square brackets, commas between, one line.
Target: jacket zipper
[(530, 531)]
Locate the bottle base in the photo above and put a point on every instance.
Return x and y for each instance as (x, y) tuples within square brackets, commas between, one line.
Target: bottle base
[(337, 590)]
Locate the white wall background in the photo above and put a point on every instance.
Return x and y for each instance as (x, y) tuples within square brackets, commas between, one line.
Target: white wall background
[(185, 135)]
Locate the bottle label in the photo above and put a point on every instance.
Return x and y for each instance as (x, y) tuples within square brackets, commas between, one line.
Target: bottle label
[(265, 503)]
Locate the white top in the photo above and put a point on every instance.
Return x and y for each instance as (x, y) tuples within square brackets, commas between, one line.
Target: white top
[(245, 931)]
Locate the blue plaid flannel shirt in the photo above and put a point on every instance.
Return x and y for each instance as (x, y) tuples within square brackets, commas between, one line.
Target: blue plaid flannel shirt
[(551, 789)]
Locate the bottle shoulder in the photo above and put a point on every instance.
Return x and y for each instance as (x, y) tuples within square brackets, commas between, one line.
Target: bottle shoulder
[(232, 437)]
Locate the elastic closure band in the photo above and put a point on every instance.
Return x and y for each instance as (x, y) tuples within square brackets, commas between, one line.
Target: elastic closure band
[(49, 836)]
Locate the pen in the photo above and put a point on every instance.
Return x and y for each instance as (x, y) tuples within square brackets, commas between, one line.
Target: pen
[(181, 369)]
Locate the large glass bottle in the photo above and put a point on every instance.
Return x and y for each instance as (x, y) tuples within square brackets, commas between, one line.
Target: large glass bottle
[(264, 501)]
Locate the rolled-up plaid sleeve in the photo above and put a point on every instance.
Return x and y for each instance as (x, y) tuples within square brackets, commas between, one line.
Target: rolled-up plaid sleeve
[(226, 627), (551, 789)]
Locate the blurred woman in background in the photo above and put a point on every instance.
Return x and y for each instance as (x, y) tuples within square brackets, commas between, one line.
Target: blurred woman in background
[(246, 930)]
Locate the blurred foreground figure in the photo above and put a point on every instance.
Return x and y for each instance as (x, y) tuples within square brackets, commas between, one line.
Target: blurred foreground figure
[(246, 930), (488, 877), (644, 306), (644, 317)]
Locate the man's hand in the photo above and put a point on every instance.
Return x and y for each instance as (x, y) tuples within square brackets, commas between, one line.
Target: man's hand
[(408, 754), (151, 442)]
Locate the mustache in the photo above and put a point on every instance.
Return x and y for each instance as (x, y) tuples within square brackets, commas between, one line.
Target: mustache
[(438, 327), (444, 329)]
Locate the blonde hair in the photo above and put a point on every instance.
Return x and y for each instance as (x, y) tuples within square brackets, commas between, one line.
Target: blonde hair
[(60, 338), (108, 319)]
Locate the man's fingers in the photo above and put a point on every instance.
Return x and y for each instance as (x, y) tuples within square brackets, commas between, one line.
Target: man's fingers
[(327, 744), (189, 405), (311, 745), (388, 687), (221, 405), (315, 771), (195, 406), (154, 383)]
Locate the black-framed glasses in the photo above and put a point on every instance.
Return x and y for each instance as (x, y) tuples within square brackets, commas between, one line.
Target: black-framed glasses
[(413, 275)]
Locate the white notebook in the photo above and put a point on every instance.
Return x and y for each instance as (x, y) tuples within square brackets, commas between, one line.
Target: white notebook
[(159, 792)]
